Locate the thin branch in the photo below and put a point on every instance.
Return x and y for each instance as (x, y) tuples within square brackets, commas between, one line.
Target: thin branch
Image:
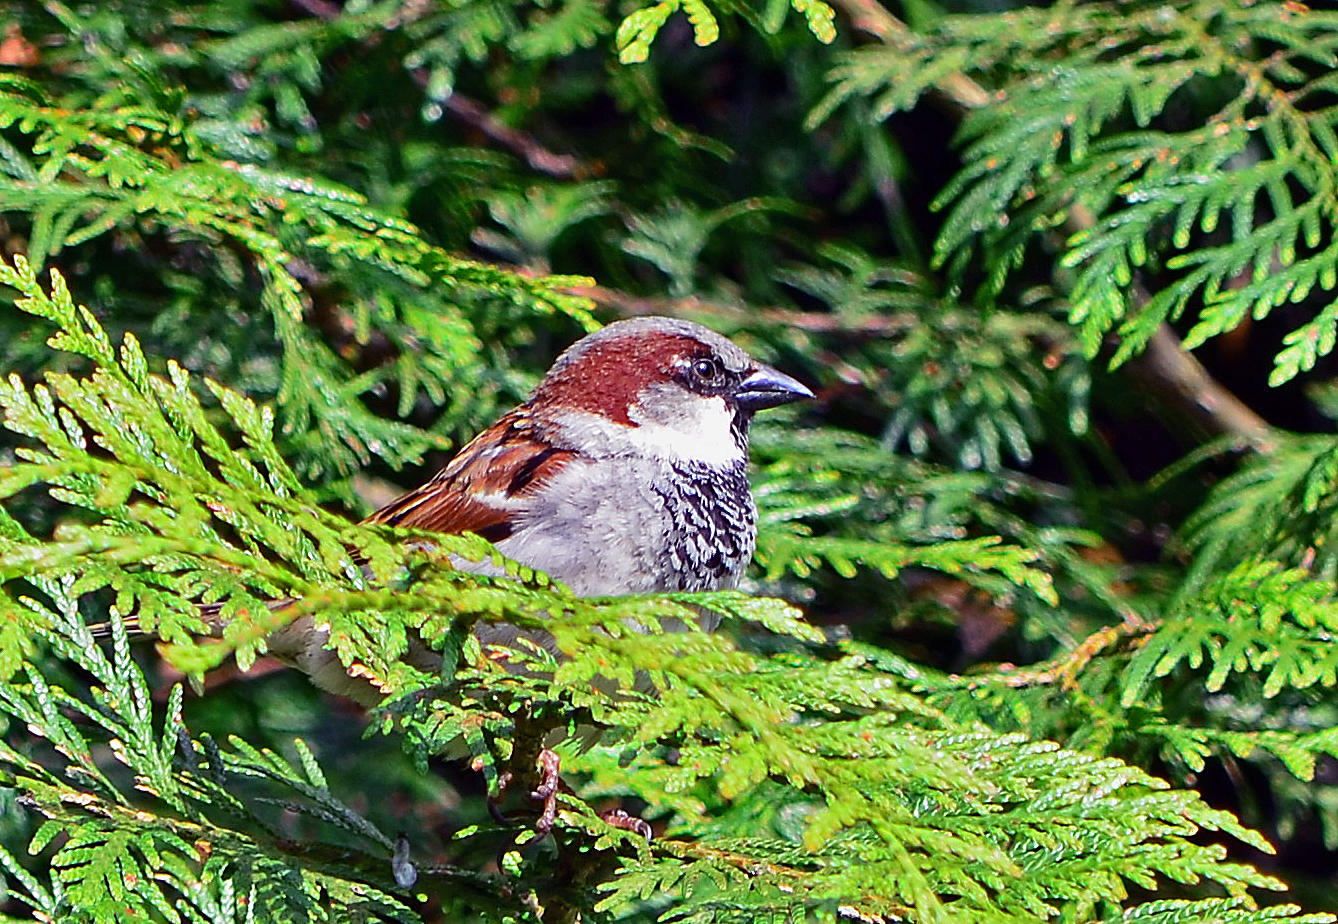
[(562, 166), (1165, 369), (318, 9), (691, 307), (473, 114), (872, 17), (1065, 670)]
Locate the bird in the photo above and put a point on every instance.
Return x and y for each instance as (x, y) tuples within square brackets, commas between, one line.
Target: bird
[(623, 472)]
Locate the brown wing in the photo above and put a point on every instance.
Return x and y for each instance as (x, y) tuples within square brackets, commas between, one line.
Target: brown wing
[(481, 489)]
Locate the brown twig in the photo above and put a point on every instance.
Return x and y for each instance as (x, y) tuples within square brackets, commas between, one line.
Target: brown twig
[(1065, 669), (473, 114), (317, 9), (872, 17), (691, 307), (782, 874), (1164, 367), (562, 166)]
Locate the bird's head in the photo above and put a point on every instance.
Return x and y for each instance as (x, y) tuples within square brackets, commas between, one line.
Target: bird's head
[(664, 386)]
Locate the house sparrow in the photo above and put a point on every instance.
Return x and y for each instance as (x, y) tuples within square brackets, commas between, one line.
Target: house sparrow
[(624, 472)]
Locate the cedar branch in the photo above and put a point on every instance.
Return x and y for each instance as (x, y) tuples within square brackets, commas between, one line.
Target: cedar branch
[(1164, 368)]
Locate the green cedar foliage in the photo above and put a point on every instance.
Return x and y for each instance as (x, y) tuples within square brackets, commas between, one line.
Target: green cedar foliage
[(870, 778), (1087, 117), (311, 258)]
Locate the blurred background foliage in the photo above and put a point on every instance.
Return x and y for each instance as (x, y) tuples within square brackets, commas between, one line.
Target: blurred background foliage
[(983, 232)]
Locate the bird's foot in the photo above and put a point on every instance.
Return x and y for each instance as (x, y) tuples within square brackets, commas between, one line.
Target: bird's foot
[(545, 793), (628, 822)]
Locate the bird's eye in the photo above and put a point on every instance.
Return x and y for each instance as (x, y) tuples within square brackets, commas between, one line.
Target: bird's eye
[(706, 369)]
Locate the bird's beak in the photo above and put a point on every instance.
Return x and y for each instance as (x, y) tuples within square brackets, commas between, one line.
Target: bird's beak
[(767, 387)]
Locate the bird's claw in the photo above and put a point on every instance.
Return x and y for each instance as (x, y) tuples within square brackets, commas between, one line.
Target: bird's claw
[(547, 790), (545, 793), (628, 822)]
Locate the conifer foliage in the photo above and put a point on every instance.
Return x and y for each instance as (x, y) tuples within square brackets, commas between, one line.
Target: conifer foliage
[(264, 263)]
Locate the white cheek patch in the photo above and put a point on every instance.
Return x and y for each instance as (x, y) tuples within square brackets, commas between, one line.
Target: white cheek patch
[(698, 430)]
